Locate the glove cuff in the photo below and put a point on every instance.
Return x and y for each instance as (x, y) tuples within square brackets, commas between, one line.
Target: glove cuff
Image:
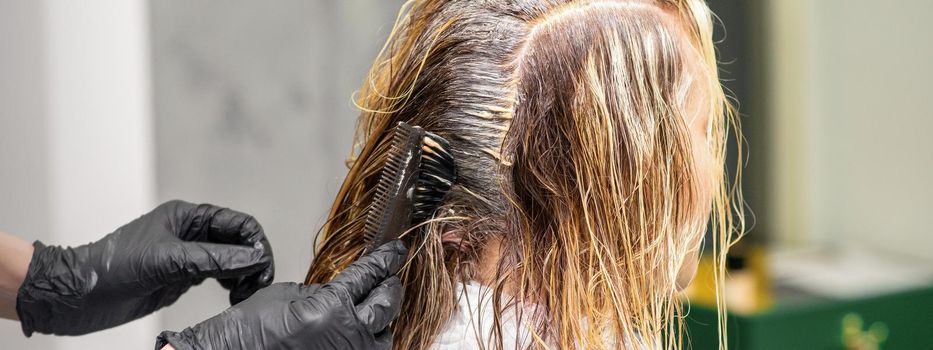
[(50, 290), (184, 340)]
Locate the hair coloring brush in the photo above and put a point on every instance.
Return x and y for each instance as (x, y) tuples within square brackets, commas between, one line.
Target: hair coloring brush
[(418, 173)]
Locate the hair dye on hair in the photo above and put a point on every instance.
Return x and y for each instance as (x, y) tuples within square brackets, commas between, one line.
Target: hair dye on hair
[(568, 121)]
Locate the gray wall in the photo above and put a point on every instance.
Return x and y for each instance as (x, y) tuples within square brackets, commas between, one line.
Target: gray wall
[(24, 197), (252, 111), (23, 147)]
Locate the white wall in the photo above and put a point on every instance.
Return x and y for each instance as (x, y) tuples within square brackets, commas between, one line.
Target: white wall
[(852, 116), (77, 146)]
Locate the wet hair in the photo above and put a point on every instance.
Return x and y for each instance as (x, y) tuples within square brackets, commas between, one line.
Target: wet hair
[(569, 122)]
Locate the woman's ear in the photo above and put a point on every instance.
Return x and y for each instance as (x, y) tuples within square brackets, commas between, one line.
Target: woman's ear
[(688, 269), (452, 237)]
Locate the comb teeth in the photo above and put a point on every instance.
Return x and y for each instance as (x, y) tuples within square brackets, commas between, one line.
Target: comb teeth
[(391, 182), (418, 173)]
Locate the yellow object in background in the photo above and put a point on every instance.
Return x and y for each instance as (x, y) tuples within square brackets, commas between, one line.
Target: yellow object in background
[(746, 287)]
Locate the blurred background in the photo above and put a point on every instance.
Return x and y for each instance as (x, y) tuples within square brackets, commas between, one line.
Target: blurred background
[(108, 108)]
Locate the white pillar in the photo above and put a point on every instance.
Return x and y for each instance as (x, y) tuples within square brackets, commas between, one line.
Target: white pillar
[(78, 135), (793, 107), (100, 132)]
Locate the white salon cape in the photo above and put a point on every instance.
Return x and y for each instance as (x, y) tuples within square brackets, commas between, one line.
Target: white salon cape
[(470, 326)]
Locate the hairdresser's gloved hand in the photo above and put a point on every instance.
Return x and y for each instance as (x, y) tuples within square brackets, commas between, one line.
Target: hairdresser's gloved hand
[(141, 267), (351, 312)]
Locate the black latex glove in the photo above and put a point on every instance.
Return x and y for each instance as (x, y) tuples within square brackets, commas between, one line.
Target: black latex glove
[(351, 312), (141, 267)]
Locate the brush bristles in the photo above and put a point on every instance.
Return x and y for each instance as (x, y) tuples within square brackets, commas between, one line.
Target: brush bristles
[(438, 174)]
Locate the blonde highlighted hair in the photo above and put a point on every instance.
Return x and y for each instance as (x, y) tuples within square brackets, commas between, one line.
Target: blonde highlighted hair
[(578, 172)]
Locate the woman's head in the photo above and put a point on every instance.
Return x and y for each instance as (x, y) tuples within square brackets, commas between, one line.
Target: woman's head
[(589, 140)]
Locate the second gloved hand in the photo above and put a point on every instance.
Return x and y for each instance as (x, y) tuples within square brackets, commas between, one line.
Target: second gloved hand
[(351, 312), (141, 267)]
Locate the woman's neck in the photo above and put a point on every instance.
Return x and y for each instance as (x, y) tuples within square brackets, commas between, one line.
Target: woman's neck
[(487, 263)]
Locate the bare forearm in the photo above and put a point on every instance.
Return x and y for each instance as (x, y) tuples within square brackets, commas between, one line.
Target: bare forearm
[(15, 255)]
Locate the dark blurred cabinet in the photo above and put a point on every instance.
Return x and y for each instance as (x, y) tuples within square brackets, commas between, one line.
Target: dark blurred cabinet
[(902, 320)]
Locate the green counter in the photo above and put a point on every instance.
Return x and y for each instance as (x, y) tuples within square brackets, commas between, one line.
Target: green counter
[(903, 320)]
